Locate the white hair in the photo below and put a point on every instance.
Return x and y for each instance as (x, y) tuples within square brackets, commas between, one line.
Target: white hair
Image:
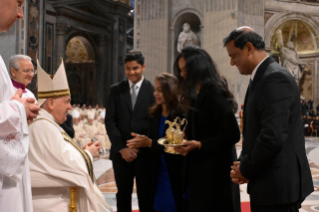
[(14, 61)]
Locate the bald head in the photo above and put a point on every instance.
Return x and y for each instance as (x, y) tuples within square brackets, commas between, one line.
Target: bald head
[(242, 35), (245, 29)]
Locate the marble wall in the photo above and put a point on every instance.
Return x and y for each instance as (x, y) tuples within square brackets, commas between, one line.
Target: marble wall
[(151, 35), (211, 20)]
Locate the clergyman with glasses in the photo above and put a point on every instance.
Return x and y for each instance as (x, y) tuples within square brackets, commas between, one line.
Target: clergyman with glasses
[(22, 72)]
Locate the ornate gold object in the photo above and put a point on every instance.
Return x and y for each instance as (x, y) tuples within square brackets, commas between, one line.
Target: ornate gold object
[(72, 206), (170, 131), (174, 136)]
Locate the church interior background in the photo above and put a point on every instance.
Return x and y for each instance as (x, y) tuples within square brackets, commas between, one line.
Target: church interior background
[(93, 36)]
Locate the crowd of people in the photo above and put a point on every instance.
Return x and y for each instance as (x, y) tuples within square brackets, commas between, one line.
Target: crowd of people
[(88, 125), (308, 109), (42, 168), (310, 117)]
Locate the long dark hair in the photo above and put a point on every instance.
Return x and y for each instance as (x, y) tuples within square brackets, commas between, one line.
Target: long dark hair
[(201, 69), (169, 90)]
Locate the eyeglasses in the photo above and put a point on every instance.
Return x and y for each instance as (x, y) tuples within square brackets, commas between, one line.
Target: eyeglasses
[(30, 71)]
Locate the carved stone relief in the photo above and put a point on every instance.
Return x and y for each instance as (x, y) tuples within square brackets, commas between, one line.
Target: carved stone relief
[(305, 82), (267, 16), (61, 28), (297, 32)]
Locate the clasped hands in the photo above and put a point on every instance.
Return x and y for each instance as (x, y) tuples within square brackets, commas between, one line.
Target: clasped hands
[(129, 154), (236, 175), (93, 148), (31, 107)]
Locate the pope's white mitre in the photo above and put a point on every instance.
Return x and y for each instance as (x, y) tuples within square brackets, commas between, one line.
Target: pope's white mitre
[(48, 87)]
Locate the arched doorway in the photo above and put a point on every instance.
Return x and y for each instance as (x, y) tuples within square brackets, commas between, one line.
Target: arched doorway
[(302, 31), (195, 24), (80, 67), (191, 16)]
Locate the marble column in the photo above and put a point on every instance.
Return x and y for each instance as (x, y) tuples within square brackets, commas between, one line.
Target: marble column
[(61, 29), (115, 52), (101, 76)]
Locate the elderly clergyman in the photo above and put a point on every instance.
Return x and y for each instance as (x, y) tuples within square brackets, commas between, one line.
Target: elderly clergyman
[(22, 72), (57, 163), (15, 112)]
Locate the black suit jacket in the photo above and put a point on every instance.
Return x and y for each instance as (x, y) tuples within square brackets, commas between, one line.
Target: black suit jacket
[(121, 120), (68, 126), (273, 156), (213, 123)]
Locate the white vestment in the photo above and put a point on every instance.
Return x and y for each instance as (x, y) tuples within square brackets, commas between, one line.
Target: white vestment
[(27, 94), (80, 135), (92, 131), (15, 187), (64, 166)]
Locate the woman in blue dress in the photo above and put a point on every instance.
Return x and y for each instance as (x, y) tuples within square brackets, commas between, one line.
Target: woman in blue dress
[(168, 168)]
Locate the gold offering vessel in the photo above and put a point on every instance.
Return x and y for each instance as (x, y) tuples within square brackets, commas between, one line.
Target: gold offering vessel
[(174, 136)]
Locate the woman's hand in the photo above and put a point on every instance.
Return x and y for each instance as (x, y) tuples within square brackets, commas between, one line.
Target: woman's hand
[(139, 141), (187, 147)]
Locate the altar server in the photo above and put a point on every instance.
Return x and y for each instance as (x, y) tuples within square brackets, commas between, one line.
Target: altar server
[(15, 112)]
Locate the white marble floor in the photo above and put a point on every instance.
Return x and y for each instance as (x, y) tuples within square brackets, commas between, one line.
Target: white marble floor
[(105, 179)]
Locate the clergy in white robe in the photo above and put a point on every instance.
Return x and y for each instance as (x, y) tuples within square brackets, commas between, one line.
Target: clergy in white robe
[(80, 135), (15, 186), (22, 72), (15, 190), (92, 130), (102, 130), (57, 163)]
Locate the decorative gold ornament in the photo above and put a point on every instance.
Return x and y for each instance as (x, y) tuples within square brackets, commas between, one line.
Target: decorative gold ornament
[(72, 205), (174, 136)]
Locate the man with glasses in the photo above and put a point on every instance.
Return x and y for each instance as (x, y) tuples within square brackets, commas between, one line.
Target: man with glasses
[(22, 72)]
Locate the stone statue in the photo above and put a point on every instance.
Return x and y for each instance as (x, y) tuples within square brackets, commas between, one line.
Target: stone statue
[(289, 57), (187, 38)]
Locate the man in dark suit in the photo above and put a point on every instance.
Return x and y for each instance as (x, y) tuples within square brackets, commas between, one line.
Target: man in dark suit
[(273, 160), (68, 126), (127, 112)]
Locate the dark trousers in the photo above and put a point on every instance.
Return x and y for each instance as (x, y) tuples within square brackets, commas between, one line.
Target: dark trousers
[(291, 207), (124, 173)]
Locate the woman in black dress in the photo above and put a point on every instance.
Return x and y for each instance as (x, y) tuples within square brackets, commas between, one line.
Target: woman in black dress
[(212, 131), (167, 168)]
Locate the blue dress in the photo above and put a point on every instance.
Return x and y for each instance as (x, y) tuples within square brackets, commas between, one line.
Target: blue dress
[(164, 199)]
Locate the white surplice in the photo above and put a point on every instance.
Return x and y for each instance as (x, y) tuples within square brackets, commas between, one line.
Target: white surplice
[(27, 94), (63, 167), (15, 187)]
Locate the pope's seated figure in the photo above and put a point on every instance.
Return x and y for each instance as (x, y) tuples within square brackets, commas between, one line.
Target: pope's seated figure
[(57, 163)]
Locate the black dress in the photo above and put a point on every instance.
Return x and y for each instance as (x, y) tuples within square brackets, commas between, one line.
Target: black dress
[(213, 123), (175, 164)]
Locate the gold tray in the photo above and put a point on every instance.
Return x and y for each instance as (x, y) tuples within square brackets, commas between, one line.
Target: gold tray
[(169, 148)]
